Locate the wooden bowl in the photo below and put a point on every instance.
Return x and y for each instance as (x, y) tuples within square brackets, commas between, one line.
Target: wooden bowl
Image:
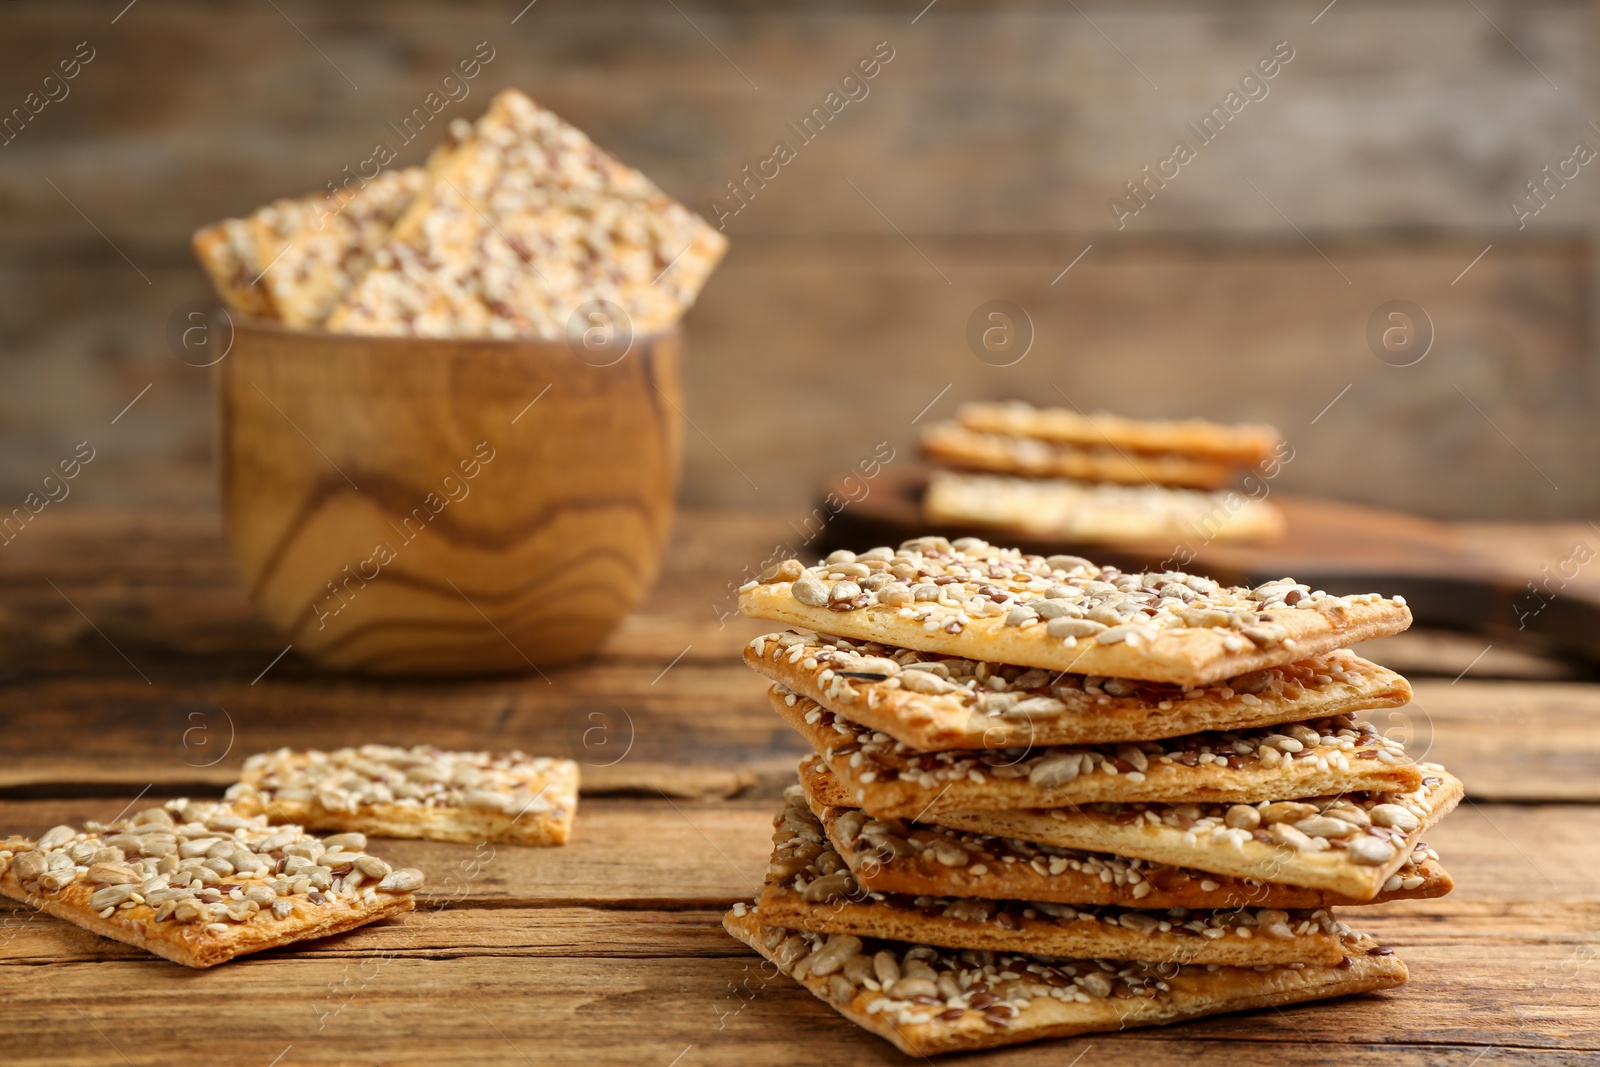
[(403, 505)]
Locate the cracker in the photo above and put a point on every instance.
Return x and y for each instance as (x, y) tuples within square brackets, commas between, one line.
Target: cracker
[(145, 881), (1317, 758), (955, 445), (945, 1000), (1243, 443), (294, 259), (808, 887), (931, 702), (1081, 512), (1333, 843), (524, 221), (1063, 613), (421, 792), (895, 856), (222, 251)]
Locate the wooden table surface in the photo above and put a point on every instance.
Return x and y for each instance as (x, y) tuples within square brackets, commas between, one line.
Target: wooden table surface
[(131, 667)]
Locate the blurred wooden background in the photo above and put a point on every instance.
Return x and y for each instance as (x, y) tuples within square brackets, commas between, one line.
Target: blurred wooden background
[(1382, 161)]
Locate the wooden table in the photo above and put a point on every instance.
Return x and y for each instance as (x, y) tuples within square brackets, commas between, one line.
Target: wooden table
[(132, 669)]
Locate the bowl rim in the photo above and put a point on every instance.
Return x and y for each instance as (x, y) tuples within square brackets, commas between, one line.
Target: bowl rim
[(244, 321)]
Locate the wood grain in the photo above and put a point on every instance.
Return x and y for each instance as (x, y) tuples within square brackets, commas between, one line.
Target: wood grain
[(609, 950), (620, 977), (390, 515), (993, 140)]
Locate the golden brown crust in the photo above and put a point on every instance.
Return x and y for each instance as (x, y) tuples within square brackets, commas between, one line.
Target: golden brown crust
[(1088, 512), (1242, 443), (525, 221), (199, 884), (1196, 835), (892, 856), (808, 887), (1054, 999), (239, 288), (964, 710), (417, 792), (883, 777), (204, 945), (957, 446), (980, 602)]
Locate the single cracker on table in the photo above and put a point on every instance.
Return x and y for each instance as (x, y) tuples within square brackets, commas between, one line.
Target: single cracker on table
[(198, 884), (1317, 758), (294, 259), (928, 1000), (953, 444), (917, 859), (1242, 443), (1351, 844), (421, 791), (932, 702), (525, 222), (809, 887), (1081, 512), (1063, 613)]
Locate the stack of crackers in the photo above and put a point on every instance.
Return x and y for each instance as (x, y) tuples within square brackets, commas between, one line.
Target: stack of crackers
[(201, 883), (1048, 798), (517, 222), (1059, 474)]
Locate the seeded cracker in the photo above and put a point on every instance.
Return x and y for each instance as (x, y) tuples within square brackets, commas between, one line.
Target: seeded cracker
[(421, 792), (1351, 844), (198, 884), (1064, 613), (957, 446), (895, 856), (809, 887), (294, 259), (1242, 443), (524, 221), (1079, 512), (1324, 756), (932, 702), (929, 1000)]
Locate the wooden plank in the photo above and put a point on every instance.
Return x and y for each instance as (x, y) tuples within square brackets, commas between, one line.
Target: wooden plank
[(635, 730), (660, 853), (1291, 330), (1271, 333), (1039, 148), (1506, 740), (622, 853), (1494, 967), (401, 1010)]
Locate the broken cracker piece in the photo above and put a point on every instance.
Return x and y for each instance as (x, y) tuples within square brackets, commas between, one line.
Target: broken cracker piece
[(421, 792)]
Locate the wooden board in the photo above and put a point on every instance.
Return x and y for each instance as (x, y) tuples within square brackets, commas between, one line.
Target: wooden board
[(609, 950), (1344, 548)]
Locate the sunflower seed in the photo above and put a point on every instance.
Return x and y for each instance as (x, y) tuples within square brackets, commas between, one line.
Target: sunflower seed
[(1396, 817), (55, 837), (404, 880)]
